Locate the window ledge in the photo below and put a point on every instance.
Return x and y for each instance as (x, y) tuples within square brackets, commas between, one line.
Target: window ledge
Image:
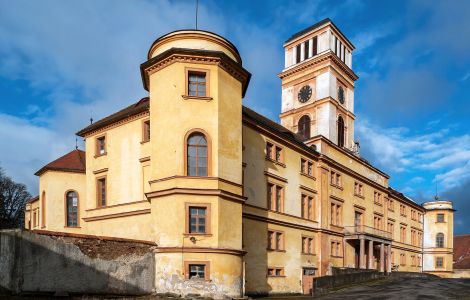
[(197, 234), (143, 142), (359, 196), (336, 256), (187, 97), (275, 250), (99, 155), (377, 203), (311, 254), (276, 162), (72, 227), (308, 176), (279, 276), (336, 186)]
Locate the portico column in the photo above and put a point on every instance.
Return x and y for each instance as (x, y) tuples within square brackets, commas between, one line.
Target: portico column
[(389, 258), (362, 251), (371, 254), (382, 256)]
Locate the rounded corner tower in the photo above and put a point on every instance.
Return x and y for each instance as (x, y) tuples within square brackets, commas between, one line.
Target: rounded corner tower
[(196, 83), (438, 244)]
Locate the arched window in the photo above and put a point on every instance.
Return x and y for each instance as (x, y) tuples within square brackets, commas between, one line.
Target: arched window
[(440, 240), (71, 204), (304, 127), (340, 131), (197, 155)]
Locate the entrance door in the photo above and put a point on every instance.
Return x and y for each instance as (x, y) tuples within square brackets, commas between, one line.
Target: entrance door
[(307, 280)]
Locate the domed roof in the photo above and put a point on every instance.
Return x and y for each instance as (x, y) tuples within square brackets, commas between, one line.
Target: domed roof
[(194, 39)]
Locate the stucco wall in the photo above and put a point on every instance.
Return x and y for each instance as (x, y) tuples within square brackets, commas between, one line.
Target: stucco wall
[(32, 263)]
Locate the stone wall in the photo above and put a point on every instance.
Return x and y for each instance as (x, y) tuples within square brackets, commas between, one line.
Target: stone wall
[(40, 264)]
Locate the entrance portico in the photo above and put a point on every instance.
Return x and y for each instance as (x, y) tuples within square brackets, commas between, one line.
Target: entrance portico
[(372, 247)]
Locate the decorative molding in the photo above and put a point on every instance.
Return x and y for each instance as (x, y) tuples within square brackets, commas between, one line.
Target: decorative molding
[(275, 176), (197, 177), (192, 191), (303, 187), (116, 205), (200, 250), (100, 171), (144, 159), (118, 215), (124, 121)]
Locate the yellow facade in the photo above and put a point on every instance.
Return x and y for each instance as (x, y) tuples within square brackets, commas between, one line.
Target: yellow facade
[(269, 224)]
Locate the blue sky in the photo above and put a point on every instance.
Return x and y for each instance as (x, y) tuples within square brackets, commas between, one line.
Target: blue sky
[(61, 61)]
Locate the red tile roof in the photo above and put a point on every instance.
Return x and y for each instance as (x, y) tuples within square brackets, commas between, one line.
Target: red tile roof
[(73, 161), (462, 251)]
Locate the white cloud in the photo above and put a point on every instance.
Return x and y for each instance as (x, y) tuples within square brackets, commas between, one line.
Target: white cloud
[(84, 56), (399, 150)]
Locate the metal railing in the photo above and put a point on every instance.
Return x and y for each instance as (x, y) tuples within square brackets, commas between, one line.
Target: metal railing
[(363, 229)]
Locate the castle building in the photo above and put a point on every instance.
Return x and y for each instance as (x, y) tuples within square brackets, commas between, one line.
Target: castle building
[(237, 203)]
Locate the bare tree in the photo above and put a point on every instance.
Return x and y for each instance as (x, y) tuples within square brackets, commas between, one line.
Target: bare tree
[(13, 197)]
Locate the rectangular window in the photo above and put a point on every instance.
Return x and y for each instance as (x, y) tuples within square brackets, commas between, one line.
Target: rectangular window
[(308, 246), (378, 222), (391, 206), (275, 272), (197, 270), (336, 214), (275, 197), (439, 262), (34, 219), (297, 56), (197, 84), (306, 167), (197, 219), (307, 207), (275, 240), (146, 131), (314, 46), (419, 261), (440, 218), (101, 191), (403, 259), (335, 179), (402, 234), (357, 218), (306, 44), (274, 152), (358, 189), (100, 145), (377, 198), (390, 227), (335, 249)]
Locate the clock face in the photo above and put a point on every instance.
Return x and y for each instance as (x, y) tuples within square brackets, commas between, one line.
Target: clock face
[(341, 95), (305, 93)]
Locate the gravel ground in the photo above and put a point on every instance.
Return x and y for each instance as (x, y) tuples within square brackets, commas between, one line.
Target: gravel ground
[(406, 288)]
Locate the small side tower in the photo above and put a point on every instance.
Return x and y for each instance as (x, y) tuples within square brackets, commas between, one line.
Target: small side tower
[(438, 245), (196, 84)]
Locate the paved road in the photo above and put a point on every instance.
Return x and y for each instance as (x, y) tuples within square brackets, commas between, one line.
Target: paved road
[(406, 289)]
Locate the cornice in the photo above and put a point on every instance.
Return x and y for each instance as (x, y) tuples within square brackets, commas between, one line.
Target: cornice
[(325, 56), (181, 55)]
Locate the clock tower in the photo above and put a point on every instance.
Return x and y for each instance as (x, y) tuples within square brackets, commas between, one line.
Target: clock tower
[(318, 85)]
